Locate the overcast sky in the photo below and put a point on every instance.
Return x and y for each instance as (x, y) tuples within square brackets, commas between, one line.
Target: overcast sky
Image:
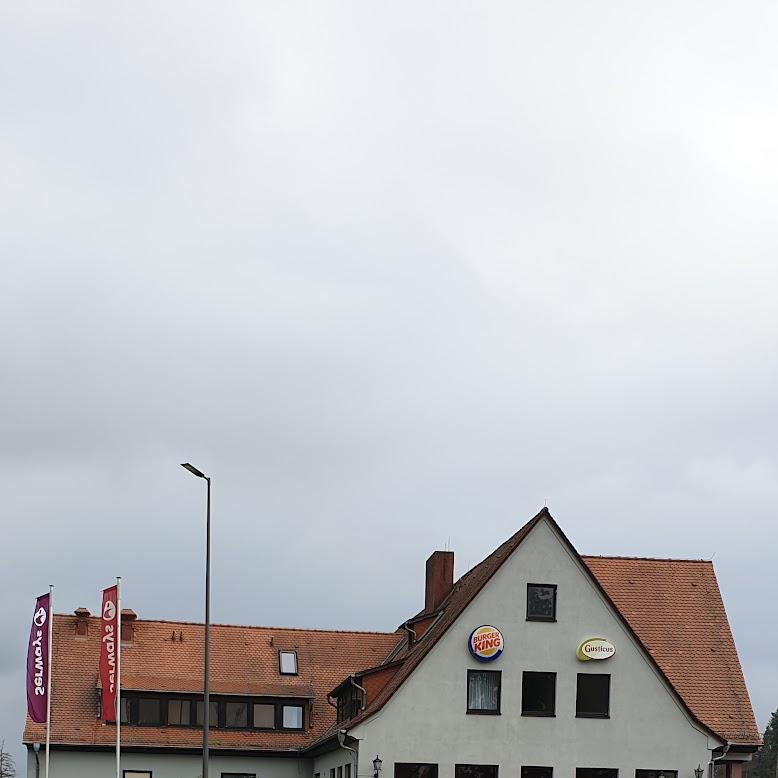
[(396, 274)]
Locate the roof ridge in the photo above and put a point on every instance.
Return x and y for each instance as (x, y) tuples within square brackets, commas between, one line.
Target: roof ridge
[(645, 558), (247, 626)]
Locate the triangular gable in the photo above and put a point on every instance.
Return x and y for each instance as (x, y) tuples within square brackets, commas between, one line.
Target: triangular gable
[(469, 586)]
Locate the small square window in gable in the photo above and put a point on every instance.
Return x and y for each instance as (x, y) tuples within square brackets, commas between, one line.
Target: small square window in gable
[(541, 602)]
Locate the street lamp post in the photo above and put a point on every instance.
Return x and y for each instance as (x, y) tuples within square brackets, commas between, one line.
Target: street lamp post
[(206, 695)]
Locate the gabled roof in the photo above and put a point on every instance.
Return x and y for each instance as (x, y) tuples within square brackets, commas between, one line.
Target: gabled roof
[(660, 611), (675, 608), (244, 661)]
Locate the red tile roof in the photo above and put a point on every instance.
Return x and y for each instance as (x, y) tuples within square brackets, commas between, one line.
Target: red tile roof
[(675, 608), (244, 660), (672, 607)]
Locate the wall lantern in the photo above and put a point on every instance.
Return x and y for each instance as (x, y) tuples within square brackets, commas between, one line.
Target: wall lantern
[(698, 771), (376, 766)]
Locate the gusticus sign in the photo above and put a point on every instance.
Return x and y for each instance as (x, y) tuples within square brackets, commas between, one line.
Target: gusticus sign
[(595, 648)]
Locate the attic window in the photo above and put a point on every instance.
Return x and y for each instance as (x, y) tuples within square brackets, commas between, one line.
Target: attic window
[(287, 662), (541, 602)]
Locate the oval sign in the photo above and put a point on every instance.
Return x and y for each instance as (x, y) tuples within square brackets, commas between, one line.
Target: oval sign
[(595, 648), (486, 643)]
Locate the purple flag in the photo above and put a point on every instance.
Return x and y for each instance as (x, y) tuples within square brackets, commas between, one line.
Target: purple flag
[(38, 661)]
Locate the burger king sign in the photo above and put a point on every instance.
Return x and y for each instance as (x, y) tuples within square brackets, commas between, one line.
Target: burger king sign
[(486, 643)]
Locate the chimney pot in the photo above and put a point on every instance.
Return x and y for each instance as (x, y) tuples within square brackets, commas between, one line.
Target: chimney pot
[(440, 579)]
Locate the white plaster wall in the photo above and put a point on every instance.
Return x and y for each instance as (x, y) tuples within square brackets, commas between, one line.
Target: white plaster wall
[(426, 721), (102, 764), (340, 757)]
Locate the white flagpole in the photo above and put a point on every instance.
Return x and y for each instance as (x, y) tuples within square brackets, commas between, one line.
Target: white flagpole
[(118, 677), (48, 681)]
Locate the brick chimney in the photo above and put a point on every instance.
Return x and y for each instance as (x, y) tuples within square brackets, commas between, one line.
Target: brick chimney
[(82, 623), (128, 625), (440, 578)]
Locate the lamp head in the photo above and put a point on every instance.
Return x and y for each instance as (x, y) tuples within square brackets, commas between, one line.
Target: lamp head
[(36, 746), (194, 471)]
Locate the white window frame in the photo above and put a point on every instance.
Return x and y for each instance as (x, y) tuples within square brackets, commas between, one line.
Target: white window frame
[(281, 655)]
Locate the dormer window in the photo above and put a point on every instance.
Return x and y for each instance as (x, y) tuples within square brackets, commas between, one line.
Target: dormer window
[(287, 662)]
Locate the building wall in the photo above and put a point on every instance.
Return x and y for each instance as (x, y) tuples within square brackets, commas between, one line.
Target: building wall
[(102, 764), (425, 721), (340, 757)]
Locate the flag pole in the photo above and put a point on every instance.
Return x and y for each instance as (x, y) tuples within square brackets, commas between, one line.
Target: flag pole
[(118, 676), (48, 680)]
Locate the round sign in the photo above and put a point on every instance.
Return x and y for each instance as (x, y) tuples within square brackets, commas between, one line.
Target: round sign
[(595, 648), (486, 643)]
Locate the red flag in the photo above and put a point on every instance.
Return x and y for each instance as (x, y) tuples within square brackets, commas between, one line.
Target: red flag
[(108, 652)]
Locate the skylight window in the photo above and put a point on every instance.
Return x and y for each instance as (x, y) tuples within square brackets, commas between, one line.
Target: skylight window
[(287, 662)]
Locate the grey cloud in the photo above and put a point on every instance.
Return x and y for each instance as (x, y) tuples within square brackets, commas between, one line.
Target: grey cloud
[(395, 274)]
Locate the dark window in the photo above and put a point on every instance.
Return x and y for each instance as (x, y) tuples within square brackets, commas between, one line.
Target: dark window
[(142, 709), (483, 691), (340, 772), (264, 715), (349, 703), (287, 662), (213, 714), (347, 771), (537, 772), (475, 771), (149, 711), (538, 694), (541, 602), (415, 770), (292, 717), (236, 714), (656, 773), (179, 712), (596, 772), (332, 772), (593, 697)]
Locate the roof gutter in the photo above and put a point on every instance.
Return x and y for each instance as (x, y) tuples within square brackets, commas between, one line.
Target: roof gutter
[(714, 759)]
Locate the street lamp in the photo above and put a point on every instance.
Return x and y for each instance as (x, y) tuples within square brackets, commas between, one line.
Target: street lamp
[(206, 695), (698, 771), (36, 747), (377, 762)]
